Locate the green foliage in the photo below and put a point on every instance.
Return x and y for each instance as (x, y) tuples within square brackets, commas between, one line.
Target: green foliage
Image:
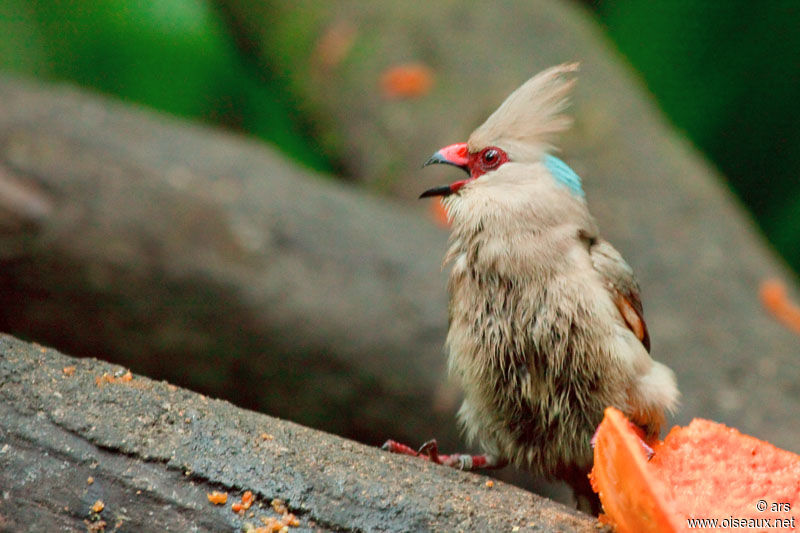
[(173, 55), (728, 74)]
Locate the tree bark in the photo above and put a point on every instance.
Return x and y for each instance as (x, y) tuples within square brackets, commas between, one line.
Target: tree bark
[(151, 452)]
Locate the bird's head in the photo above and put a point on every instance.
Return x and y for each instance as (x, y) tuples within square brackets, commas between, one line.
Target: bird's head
[(475, 164), (519, 131)]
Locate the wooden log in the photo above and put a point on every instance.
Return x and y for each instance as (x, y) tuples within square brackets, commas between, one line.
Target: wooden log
[(77, 431)]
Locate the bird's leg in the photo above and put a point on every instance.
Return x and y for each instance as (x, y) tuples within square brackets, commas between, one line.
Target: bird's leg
[(430, 452)]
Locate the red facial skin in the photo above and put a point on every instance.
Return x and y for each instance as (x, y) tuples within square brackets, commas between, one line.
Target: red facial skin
[(477, 164)]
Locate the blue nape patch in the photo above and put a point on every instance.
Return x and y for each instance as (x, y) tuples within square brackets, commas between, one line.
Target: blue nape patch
[(564, 175)]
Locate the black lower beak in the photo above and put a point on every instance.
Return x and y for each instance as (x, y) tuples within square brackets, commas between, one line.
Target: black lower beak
[(443, 190)]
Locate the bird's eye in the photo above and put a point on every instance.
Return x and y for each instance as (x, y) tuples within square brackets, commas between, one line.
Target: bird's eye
[(485, 160), (491, 158)]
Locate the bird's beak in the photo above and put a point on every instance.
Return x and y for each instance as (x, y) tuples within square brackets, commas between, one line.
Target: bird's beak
[(456, 155)]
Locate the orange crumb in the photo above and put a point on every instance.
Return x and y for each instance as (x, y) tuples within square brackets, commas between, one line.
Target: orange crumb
[(247, 499), (108, 378), (489, 484), (244, 504), (98, 506), (217, 498), (267, 436), (278, 506), (89, 480), (408, 80), (272, 524), (69, 371), (268, 521), (775, 300)]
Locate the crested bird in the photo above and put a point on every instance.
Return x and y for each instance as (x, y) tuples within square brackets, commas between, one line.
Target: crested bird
[(545, 317)]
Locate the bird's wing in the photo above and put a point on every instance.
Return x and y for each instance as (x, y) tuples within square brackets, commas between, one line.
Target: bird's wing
[(622, 285)]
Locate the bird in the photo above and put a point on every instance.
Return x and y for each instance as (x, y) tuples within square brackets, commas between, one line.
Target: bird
[(546, 327)]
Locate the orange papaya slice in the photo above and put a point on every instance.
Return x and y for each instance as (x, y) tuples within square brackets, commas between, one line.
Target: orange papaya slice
[(704, 476)]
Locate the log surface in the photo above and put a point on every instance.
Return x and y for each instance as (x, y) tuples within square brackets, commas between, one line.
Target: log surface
[(154, 451)]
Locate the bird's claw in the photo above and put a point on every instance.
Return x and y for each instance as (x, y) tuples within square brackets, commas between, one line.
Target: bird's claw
[(393, 446), (431, 449), (648, 450)]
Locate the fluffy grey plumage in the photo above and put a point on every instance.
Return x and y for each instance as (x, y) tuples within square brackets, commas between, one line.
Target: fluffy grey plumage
[(546, 325)]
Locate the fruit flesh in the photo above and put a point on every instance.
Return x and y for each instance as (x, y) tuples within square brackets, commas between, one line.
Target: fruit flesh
[(704, 470)]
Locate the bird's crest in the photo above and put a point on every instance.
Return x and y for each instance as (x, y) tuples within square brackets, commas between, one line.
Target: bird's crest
[(530, 117)]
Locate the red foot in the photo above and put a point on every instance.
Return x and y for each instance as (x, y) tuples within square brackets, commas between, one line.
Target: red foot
[(430, 452)]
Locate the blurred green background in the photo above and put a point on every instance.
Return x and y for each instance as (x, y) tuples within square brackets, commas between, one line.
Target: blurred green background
[(726, 73)]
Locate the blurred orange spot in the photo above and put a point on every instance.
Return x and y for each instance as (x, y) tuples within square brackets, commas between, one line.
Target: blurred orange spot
[(334, 45), (408, 80), (775, 300), (439, 213)]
